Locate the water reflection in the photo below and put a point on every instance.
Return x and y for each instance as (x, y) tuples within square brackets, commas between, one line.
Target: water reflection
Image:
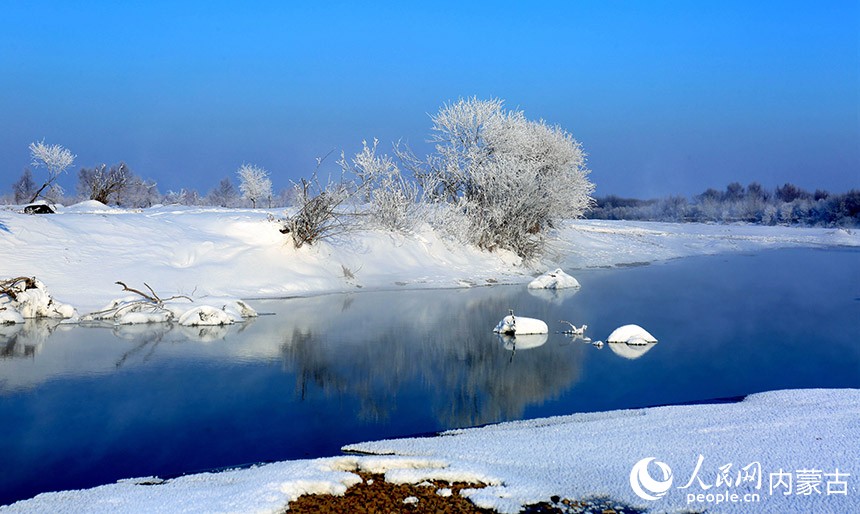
[(438, 341), (377, 349), (555, 296), (26, 339), (630, 351)]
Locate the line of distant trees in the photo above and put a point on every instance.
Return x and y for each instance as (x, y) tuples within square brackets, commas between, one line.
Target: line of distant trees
[(786, 205), (119, 186)]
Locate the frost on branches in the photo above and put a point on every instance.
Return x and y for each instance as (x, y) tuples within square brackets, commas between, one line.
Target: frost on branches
[(391, 199), (254, 184), (509, 178), (54, 158)]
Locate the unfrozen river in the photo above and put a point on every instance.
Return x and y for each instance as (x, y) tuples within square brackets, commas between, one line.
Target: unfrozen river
[(81, 406)]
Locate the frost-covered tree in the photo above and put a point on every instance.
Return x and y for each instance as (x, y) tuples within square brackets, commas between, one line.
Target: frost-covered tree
[(102, 183), (254, 183), (225, 195), (176, 197), (390, 197), (24, 187), (54, 158), (511, 178), (139, 193)]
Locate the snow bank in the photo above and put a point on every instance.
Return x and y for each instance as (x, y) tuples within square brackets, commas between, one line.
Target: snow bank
[(557, 279), (82, 250), (775, 434)]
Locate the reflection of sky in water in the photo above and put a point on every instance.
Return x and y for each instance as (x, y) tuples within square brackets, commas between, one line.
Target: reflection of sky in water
[(86, 405)]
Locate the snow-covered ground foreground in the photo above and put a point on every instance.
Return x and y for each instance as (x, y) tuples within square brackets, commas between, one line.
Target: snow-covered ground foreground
[(784, 451), (80, 253)]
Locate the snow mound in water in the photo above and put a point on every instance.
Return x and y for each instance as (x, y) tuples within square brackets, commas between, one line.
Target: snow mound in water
[(205, 315), (518, 325), (631, 334), (557, 279)]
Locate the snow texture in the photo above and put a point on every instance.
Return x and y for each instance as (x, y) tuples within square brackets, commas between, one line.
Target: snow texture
[(557, 279), (576, 456)]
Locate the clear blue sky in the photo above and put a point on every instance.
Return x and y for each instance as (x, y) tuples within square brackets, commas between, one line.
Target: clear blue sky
[(667, 97)]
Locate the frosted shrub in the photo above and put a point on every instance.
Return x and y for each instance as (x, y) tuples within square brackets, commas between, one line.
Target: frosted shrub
[(391, 199), (318, 211)]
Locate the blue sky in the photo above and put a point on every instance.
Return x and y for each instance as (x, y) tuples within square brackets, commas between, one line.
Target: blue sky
[(667, 97)]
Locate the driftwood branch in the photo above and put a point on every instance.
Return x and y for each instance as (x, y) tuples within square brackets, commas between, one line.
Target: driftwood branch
[(153, 297), (7, 287)]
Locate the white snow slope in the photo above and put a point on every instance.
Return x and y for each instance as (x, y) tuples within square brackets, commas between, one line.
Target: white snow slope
[(810, 435), (81, 252)]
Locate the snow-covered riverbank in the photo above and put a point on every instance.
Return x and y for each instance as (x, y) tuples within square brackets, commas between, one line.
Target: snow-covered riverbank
[(81, 252)]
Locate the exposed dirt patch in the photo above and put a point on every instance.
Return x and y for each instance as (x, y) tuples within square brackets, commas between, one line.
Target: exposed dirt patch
[(376, 496)]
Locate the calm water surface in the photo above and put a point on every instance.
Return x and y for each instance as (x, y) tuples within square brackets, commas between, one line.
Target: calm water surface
[(81, 406)]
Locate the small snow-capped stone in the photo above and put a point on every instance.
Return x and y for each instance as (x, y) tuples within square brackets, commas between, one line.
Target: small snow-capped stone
[(444, 492), (518, 325), (556, 279), (631, 334), (205, 315), (411, 500)]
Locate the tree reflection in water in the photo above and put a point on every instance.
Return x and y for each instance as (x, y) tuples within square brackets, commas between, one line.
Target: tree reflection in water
[(375, 346)]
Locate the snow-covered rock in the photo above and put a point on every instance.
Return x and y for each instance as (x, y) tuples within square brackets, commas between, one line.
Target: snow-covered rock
[(31, 299), (518, 325), (205, 315), (557, 279), (237, 310), (631, 334)]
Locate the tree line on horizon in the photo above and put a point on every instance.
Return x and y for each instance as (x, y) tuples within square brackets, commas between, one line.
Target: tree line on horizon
[(785, 205), (788, 204)]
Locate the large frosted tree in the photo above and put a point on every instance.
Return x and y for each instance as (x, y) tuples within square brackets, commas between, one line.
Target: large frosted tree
[(54, 158), (511, 178)]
